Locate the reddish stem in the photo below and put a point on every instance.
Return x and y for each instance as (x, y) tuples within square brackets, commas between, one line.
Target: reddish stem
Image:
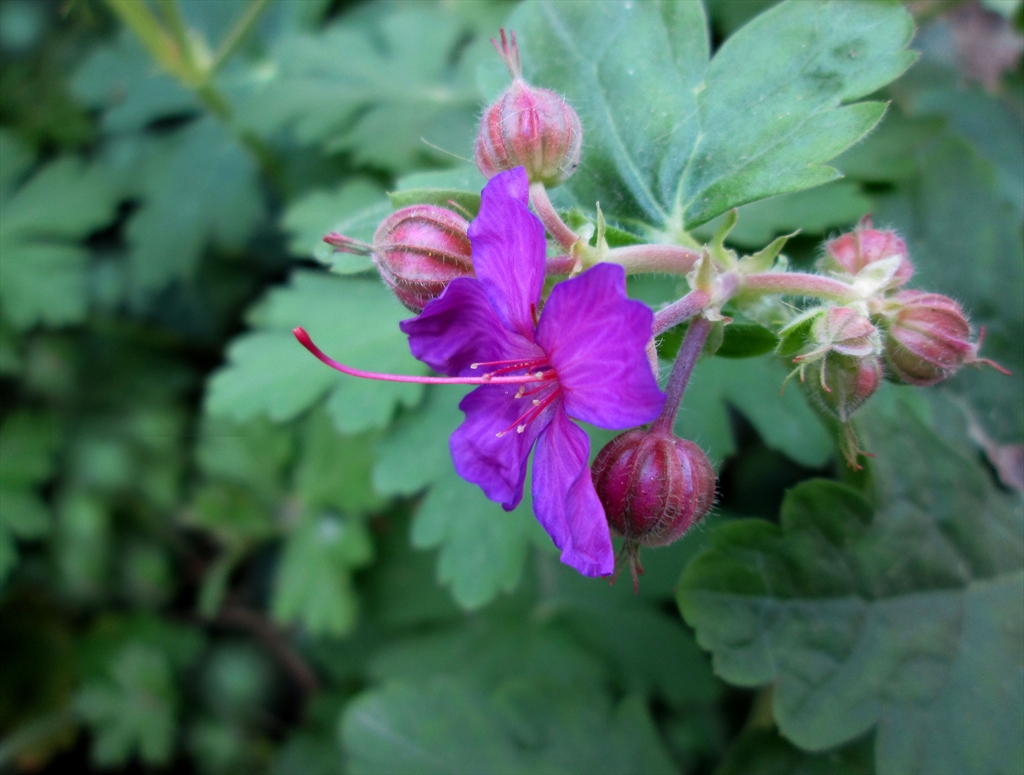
[(552, 221), (672, 259), (689, 351), (678, 311), (799, 284)]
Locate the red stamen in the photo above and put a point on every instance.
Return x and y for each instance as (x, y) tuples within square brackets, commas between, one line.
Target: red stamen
[(532, 413), (514, 361), (487, 379)]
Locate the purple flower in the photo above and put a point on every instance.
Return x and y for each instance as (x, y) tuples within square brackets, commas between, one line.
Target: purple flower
[(583, 357)]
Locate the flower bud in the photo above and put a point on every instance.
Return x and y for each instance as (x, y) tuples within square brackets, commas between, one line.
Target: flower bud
[(824, 330), (842, 351), (853, 251), (840, 384), (928, 338), (528, 127), (418, 250), (653, 486)]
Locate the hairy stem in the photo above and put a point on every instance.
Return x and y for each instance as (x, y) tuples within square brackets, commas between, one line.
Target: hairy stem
[(689, 351), (678, 311), (672, 259), (552, 221), (560, 265), (798, 284)]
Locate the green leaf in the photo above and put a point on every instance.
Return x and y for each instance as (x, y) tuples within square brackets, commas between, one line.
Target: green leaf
[(765, 752), (354, 209), (415, 452), (992, 127), (483, 547), (334, 470), (753, 386), (123, 80), (834, 205), (26, 448), (490, 650), (15, 160), (746, 340), (648, 653), (354, 320), (907, 620), (133, 709), (454, 189), (400, 589), (890, 152), (27, 442), (83, 546), (42, 265), (447, 725), (387, 92), (675, 140), (252, 454), (314, 582), (199, 187)]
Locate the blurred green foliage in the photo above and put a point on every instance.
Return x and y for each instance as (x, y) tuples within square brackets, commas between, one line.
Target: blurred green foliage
[(218, 556)]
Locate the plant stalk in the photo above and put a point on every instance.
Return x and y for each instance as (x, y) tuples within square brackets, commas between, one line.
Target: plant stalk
[(671, 259), (798, 284), (679, 311), (686, 359), (552, 221)]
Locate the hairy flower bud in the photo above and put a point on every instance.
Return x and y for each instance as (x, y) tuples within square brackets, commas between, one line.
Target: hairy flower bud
[(840, 384), (855, 250), (653, 486), (928, 338), (841, 348), (418, 250), (528, 127)]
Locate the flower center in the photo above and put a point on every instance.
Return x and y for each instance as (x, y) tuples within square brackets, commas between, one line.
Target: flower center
[(546, 392)]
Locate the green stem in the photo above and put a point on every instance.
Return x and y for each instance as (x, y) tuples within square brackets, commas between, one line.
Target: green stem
[(174, 52), (245, 24), (136, 16), (179, 33)]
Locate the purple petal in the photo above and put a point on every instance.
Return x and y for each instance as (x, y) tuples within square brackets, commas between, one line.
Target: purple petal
[(509, 250), (460, 328), (564, 499), (496, 464), (595, 339)]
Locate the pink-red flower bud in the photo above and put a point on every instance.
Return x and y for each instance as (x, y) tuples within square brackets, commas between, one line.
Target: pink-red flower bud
[(418, 250), (653, 486), (928, 338), (528, 127), (853, 251)]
